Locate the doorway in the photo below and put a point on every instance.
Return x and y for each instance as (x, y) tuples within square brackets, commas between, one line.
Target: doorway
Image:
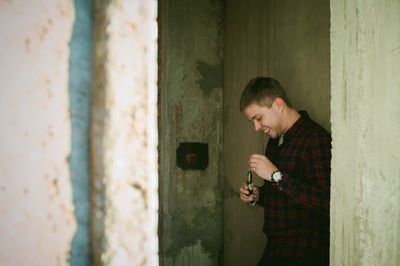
[(208, 50), (287, 40)]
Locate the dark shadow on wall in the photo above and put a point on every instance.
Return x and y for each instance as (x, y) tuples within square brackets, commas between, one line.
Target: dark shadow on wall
[(79, 85)]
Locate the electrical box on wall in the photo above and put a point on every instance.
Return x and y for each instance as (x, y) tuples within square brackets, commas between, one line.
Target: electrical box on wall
[(192, 156)]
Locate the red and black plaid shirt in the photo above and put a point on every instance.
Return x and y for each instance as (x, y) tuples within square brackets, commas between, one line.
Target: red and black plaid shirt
[(297, 209)]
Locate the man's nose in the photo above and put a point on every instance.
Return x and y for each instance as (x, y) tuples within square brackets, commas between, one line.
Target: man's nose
[(257, 126)]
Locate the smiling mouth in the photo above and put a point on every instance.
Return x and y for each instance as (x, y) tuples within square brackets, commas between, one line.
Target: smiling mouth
[(266, 131)]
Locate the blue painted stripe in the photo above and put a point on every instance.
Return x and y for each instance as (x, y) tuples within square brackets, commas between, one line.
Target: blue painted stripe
[(80, 68)]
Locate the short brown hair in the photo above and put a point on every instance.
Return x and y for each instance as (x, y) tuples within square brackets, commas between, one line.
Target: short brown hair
[(262, 91)]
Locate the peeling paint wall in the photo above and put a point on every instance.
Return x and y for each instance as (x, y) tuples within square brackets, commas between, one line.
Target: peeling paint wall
[(365, 213), (285, 39), (36, 205), (191, 80), (124, 133)]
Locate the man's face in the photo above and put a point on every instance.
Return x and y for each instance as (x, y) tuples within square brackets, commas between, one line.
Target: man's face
[(267, 119)]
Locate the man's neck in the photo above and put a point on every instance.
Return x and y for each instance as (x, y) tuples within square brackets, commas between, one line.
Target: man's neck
[(290, 117)]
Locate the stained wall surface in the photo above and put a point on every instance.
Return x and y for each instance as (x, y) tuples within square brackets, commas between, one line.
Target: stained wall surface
[(45, 77), (287, 40), (191, 80), (365, 213), (124, 134), (36, 204)]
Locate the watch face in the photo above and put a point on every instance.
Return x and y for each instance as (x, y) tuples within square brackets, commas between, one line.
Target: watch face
[(277, 176)]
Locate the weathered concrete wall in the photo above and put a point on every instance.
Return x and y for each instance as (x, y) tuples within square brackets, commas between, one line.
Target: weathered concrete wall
[(37, 214), (365, 213), (124, 133), (191, 111), (288, 40), (44, 111)]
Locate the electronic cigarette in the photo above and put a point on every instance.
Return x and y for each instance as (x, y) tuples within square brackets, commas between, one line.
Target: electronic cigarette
[(250, 185)]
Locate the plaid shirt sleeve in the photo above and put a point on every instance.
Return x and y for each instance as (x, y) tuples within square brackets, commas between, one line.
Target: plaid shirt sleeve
[(312, 188)]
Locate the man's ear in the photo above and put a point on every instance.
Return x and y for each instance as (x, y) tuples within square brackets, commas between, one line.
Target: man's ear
[(279, 103)]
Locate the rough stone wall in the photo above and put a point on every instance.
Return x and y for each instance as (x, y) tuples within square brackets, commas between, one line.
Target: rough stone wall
[(36, 205), (365, 213), (124, 134), (191, 111)]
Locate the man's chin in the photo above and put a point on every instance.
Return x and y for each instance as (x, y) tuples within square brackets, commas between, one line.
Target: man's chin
[(272, 136)]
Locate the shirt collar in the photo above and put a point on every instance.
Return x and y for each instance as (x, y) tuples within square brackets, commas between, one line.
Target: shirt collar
[(292, 130)]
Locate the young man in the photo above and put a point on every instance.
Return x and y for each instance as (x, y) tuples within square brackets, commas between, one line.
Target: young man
[(296, 170)]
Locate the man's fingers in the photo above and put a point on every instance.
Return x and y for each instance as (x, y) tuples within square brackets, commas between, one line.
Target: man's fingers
[(244, 191), (244, 198), (258, 157)]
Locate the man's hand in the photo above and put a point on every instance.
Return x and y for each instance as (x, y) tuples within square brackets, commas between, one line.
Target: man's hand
[(252, 197), (262, 166)]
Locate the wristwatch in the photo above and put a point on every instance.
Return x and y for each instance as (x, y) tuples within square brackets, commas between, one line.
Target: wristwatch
[(276, 177)]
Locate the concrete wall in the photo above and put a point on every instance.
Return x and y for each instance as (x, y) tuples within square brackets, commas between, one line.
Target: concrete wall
[(124, 134), (45, 80), (191, 80), (288, 40), (365, 213), (36, 203)]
